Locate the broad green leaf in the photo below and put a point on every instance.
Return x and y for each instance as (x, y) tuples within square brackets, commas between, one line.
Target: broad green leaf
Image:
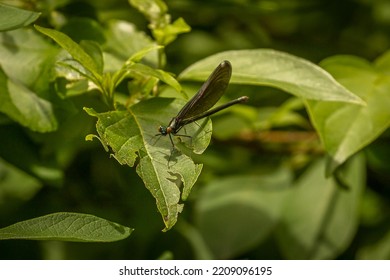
[(347, 128), (194, 237), (74, 49), (25, 106), (16, 185), (136, 57), (145, 78), (70, 76), (237, 213), (276, 69), (154, 10), (157, 73), (124, 41), (232, 124), (84, 29), (38, 54), (131, 137), (282, 116), (94, 51), (160, 21), (20, 151), (169, 33), (320, 218), (372, 205), (382, 63), (65, 226), (141, 87), (14, 18), (378, 250)]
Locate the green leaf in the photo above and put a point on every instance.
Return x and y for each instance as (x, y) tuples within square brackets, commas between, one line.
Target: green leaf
[(380, 250), (84, 29), (347, 128), (136, 57), (124, 41), (153, 10), (14, 18), (284, 115), (169, 33), (235, 214), (25, 107), (160, 74), (17, 149), (16, 185), (94, 51), (70, 77), (160, 21), (193, 236), (382, 63), (320, 218), (38, 54), (131, 136), (276, 69), (64, 226), (75, 50)]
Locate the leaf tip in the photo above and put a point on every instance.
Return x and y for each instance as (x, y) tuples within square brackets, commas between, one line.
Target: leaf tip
[(90, 111), (90, 137)]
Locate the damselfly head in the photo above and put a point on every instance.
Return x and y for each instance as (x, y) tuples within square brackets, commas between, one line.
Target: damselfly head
[(163, 130)]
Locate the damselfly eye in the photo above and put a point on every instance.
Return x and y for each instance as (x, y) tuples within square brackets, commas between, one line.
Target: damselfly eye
[(162, 130)]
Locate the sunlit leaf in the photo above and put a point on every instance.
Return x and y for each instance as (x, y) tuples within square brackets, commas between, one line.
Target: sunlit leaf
[(154, 10), (265, 67), (95, 52), (25, 107), (124, 41), (157, 73), (346, 128), (380, 250), (320, 218), (169, 33), (13, 18), (66, 226), (168, 174), (74, 49), (237, 213)]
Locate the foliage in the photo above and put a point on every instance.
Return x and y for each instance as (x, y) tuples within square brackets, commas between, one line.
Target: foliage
[(67, 227), (298, 172)]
